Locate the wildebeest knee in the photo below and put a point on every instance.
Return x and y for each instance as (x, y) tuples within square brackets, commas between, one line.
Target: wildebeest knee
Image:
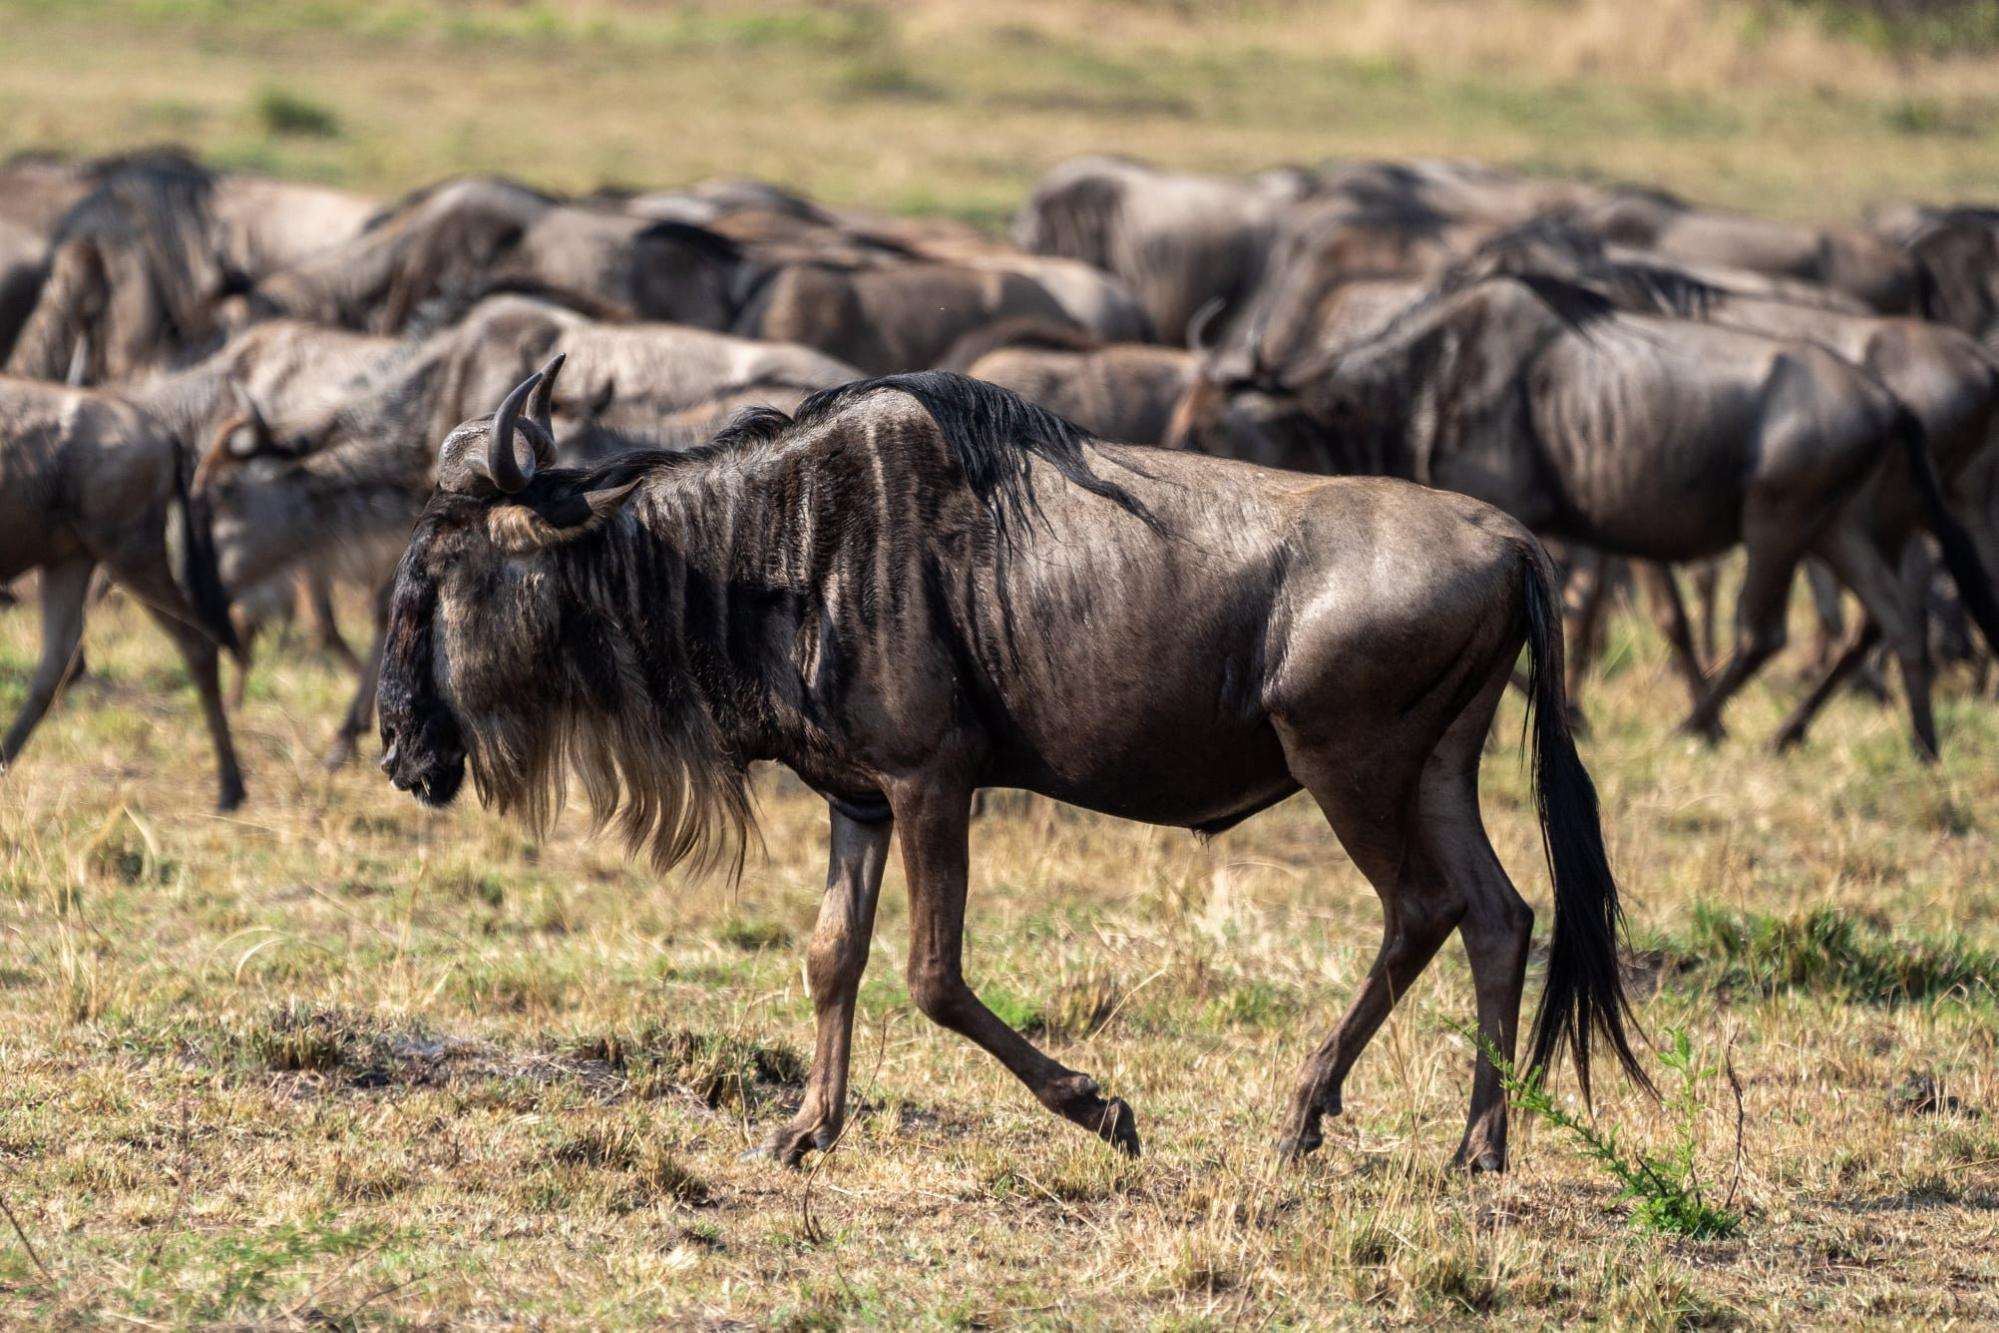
[(939, 992), (827, 961)]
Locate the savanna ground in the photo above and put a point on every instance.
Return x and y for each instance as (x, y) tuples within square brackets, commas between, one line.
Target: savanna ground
[(338, 1058)]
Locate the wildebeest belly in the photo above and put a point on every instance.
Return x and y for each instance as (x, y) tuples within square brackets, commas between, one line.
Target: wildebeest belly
[(1646, 475)]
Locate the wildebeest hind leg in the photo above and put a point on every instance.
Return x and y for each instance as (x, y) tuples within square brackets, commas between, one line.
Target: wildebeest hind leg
[(1794, 728), (1861, 566), (934, 826), (834, 962), (199, 653), (1377, 822), (1759, 631), (65, 589), (1496, 928)]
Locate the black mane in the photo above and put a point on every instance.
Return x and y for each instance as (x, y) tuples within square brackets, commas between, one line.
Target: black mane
[(993, 432)]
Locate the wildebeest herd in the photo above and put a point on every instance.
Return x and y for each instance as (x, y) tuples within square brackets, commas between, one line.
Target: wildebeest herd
[(915, 512)]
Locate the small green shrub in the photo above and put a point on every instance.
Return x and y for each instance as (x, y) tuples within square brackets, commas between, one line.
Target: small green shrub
[(282, 112), (1665, 1191)]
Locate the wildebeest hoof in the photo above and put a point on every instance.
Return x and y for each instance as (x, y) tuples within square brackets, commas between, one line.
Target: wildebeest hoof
[(339, 754), (1076, 1098), (788, 1146), (1711, 732), (231, 796), (1119, 1127), (1486, 1161), (1297, 1147)]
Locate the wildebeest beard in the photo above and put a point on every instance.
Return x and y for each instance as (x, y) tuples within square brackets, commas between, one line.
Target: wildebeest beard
[(422, 749), (595, 683)]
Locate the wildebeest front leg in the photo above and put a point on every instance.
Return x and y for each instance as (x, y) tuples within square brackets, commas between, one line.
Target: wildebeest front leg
[(934, 857), (1669, 614), (65, 589), (833, 966), (361, 710), (326, 622)]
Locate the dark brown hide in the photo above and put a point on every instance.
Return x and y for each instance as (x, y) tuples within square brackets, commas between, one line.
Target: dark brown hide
[(923, 586)]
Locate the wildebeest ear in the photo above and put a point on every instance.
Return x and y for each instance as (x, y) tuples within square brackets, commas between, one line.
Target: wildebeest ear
[(551, 522)]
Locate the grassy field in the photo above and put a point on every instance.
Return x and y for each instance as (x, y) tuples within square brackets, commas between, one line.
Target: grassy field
[(340, 1059), (956, 106)]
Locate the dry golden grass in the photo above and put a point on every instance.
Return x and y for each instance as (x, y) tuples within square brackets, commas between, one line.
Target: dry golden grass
[(339, 1058), (957, 105), (342, 1057)]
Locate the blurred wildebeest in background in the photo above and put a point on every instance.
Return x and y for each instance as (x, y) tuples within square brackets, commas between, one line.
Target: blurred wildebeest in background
[(92, 479), (1660, 439), (1115, 391), (138, 268), (1178, 240)]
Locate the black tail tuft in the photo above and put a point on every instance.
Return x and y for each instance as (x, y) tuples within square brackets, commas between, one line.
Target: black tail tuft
[(195, 570), (1960, 554), (1585, 991)]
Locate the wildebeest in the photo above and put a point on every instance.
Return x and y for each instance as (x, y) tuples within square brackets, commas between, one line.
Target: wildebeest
[(1115, 391), (922, 586), (140, 267), (909, 315), (1178, 240), (341, 486), (1958, 252), (1941, 375), (90, 480), (463, 235), (1844, 259), (1663, 440)]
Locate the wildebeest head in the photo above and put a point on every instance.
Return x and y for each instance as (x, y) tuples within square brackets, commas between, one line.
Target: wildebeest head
[(530, 634), (1241, 406)]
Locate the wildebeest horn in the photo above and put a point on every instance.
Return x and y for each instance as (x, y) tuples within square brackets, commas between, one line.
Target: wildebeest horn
[(79, 362), (252, 415), (1201, 325), (541, 409), (502, 465)]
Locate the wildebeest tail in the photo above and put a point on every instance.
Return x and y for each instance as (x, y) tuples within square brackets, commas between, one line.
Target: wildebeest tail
[(1960, 554), (194, 568), (1584, 996)]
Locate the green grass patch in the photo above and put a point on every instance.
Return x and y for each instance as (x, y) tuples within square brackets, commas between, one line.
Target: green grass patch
[(1825, 951)]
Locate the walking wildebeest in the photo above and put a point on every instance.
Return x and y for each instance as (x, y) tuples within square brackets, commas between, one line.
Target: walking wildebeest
[(1664, 440), (1940, 374), (91, 479), (920, 587)]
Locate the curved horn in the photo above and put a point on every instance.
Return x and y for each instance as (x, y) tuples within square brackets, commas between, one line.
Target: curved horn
[(542, 403), (246, 407), (78, 374), (1202, 325), (501, 463), (541, 409)]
